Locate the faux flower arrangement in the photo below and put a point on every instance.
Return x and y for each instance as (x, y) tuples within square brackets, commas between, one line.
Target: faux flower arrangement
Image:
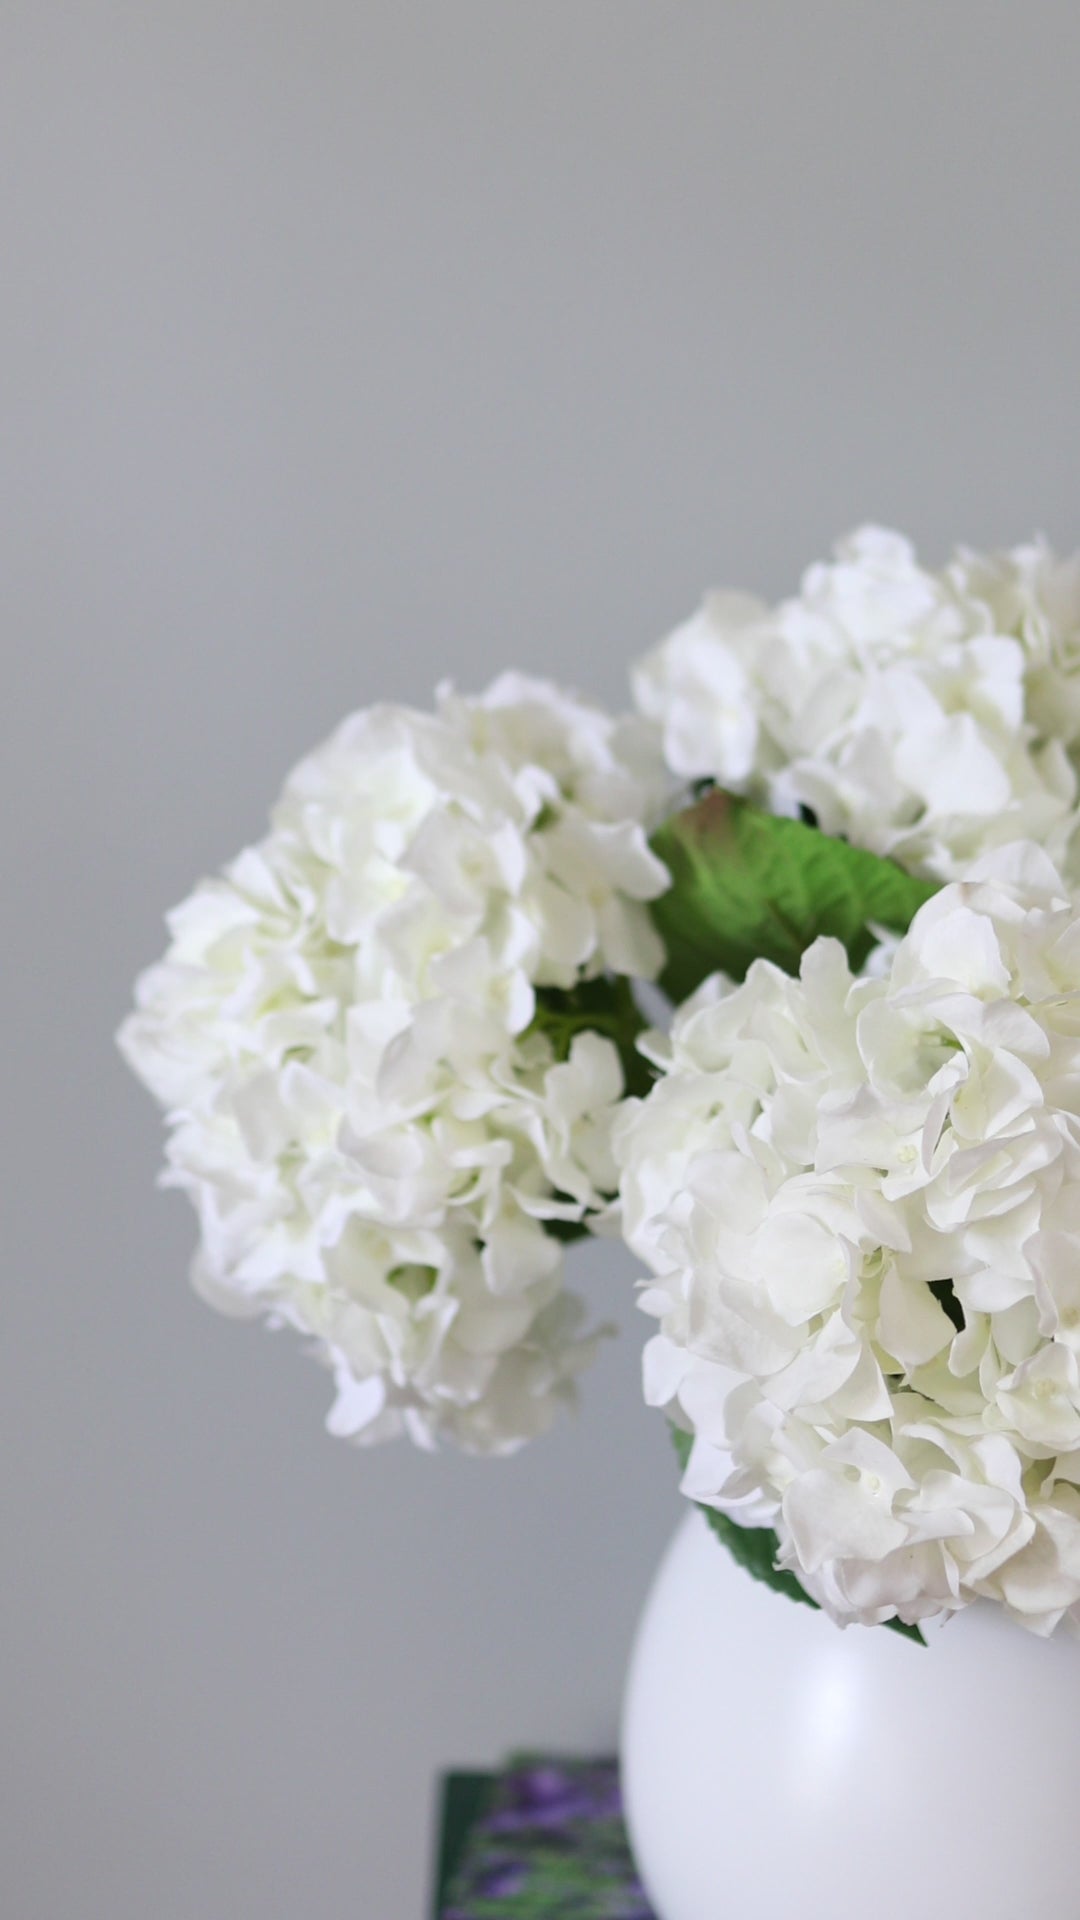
[(403, 1065)]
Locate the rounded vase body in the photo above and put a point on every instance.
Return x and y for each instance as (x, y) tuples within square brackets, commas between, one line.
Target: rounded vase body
[(774, 1765)]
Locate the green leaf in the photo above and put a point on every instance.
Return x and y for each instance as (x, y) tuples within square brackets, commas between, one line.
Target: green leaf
[(749, 885), (567, 1230), (908, 1628), (605, 1006), (756, 1549)]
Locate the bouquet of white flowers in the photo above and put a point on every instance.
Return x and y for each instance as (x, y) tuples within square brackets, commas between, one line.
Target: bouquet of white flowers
[(403, 1065)]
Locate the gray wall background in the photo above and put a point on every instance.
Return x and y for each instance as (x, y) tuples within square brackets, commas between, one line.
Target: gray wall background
[(344, 346)]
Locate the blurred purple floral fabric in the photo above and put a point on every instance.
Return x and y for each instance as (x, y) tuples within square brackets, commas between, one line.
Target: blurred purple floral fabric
[(549, 1840)]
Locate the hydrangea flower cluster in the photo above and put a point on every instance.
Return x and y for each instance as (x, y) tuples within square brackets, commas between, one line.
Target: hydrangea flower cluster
[(860, 1200), (923, 714), (378, 1098), (395, 1042)]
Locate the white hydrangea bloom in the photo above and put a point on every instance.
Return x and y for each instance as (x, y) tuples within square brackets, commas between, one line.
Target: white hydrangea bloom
[(860, 1200), (372, 1127), (925, 715)]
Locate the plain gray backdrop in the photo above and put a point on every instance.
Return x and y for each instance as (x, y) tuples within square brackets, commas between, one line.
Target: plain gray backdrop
[(344, 347)]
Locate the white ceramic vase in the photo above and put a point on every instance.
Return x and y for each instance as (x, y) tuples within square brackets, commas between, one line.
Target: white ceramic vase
[(776, 1768)]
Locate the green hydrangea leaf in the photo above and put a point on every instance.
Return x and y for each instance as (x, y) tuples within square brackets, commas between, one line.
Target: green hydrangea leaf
[(605, 1006), (756, 1549), (750, 885)]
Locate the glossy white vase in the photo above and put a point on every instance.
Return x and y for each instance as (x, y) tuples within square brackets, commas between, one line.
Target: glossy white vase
[(776, 1768)]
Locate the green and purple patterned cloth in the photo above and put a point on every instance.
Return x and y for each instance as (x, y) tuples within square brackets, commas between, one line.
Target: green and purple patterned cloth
[(545, 1838)]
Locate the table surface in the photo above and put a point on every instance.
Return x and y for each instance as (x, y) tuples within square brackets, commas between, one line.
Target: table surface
[(543, 1837)]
